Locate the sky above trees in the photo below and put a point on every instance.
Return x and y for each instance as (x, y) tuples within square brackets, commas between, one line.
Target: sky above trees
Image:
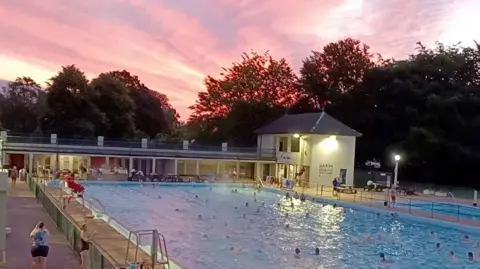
[(173, 44)]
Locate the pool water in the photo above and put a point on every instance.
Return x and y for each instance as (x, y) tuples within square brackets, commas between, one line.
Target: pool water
[(261, 239)]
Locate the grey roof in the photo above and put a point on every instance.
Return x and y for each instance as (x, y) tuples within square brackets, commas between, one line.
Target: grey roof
[(308, 123)]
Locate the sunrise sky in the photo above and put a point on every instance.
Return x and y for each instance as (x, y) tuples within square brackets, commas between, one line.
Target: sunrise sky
[(172, 44)]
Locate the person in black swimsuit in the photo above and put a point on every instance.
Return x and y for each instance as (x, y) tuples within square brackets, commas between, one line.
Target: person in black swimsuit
[(85, 240)]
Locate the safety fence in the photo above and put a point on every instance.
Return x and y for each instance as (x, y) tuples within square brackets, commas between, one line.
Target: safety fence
[(68, 228), (448, 209)]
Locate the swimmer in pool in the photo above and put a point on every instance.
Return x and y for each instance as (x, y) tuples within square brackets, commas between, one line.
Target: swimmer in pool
[(232, 191), (246, 204), (258, 210), (383, 259), (334, 205), (471, 258), (438, 247), (199, 217), (244, 216), (292, 205), (433, 235), (210, 188), (287, 195), (196, 196), (452, 256), (303, 197), (297, 253), (287, 226), (379, 236), (466, 239), (307, 215), (317, 251), (278, 204), (296, 195), (286, 215), (176, 209), (235, 207), (159, 197), (477, 245), (204, 236), (368, 237)]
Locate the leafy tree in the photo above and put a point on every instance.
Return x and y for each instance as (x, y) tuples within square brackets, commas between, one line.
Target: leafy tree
[(338, 69), (113, 100), (153, 113), (257, 78), (20, 102), (70, 111)]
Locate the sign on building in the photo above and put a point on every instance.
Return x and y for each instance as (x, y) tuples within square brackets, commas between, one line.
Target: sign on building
[(325, 169)]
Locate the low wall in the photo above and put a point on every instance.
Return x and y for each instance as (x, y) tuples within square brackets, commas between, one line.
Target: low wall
[(70, 230)]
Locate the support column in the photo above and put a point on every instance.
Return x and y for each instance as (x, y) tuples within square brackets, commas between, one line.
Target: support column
[(238, 170), (175, 170), (30, 163), (154, 164), (107, 161), (257, 173), (218, 167), (197, 167), (130, 166), (3, 215), (185, 167)]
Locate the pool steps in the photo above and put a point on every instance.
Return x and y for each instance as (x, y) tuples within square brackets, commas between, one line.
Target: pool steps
[(158, 249)]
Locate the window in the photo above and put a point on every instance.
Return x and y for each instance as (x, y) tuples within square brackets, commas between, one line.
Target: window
[(295, 145), (282, 144)]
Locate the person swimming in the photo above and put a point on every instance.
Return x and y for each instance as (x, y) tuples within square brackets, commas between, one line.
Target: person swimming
[(287, 226), (452, 256), (297, 253), (258, 210), (292, 205), (159, 197), (438, 247), (278, 204), (199, 217), (307, 215), (466, 239), (176, 210), (244, 216), (317, 251), (472, 258), (196, 196), (246, 204), (287, 195), (433, 234), (295, 196), (303, 197), (286, 215), (383, 259), (334, 205), (235, 208), (204, 236)]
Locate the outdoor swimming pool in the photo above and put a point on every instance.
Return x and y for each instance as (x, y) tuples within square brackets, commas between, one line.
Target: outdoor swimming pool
[(261, 239)]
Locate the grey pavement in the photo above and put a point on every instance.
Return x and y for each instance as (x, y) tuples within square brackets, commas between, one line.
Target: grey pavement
[(23, 212)]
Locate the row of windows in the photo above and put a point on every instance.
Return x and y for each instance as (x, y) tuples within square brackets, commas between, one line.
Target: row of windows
[(294, 144)]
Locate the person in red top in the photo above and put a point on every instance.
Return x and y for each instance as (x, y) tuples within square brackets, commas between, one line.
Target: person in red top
[(73, 185)]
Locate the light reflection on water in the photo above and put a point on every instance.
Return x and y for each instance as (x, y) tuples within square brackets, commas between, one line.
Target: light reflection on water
[(261, 240)]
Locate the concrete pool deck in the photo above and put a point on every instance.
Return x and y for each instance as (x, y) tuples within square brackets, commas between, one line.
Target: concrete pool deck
[(23, 213), (111, 243)]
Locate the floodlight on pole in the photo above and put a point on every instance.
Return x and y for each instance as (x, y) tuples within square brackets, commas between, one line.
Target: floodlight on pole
[(296, 135), (395, 176)]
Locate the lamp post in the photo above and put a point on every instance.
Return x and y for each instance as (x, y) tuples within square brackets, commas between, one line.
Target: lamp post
[(395, 176)]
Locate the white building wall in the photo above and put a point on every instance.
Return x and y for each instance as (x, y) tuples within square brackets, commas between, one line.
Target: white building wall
[(327, 158), (266, 145)]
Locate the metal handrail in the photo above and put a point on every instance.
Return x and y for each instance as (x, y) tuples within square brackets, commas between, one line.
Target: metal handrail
[(158, 239)]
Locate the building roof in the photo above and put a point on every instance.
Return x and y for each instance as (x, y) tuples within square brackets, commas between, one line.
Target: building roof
[(308, 123)]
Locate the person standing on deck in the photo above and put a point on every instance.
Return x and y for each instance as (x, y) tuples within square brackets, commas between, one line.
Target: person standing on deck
[(14, 176)]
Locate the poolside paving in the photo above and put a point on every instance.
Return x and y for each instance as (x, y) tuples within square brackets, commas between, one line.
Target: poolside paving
[(23, 213)]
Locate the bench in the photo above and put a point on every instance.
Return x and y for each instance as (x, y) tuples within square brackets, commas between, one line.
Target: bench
[(346, 189)]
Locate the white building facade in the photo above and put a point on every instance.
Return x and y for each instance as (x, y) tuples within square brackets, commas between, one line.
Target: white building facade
[(311, 148)]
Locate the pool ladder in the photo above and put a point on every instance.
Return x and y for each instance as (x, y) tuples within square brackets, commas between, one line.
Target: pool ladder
[(158, 250)]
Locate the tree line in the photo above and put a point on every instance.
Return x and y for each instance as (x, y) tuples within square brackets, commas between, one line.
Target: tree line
[(425, 107), (115, 105)]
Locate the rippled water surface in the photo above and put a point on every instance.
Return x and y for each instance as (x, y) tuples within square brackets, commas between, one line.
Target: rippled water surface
[(261, 239)]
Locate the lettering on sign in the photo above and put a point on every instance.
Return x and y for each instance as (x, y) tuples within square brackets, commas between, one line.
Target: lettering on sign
[(325, 169), (285, 157)]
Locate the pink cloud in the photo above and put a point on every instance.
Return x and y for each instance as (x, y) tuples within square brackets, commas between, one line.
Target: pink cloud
[(172, 45)]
